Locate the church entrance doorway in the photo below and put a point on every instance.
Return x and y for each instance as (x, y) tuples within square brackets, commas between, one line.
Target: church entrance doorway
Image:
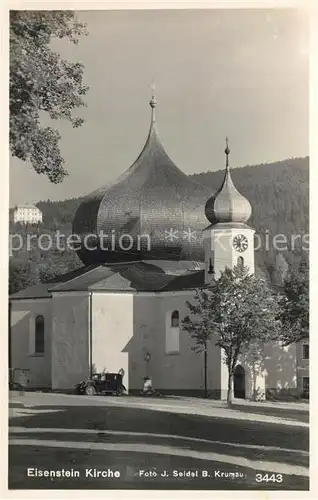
[(239, 382)]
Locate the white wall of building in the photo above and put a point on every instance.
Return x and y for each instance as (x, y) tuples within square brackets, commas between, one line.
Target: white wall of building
[(181, 371), (125, 328), (277, 370), (281, 366), (27, 214), (70, 340), (218, 246), (112, 330), (23, 314)]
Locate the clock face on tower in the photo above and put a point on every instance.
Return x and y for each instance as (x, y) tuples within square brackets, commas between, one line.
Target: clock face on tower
[(240, 243)]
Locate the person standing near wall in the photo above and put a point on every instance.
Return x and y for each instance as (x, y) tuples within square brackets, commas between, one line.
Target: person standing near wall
[(147, 388)]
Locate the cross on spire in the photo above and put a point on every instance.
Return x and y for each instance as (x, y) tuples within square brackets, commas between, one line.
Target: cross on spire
[(153, 88)]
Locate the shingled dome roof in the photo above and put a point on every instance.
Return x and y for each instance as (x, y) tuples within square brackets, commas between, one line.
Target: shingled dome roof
[(154, 198), (227, 204)]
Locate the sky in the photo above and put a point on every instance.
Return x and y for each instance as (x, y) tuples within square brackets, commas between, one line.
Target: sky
[(241, 73)]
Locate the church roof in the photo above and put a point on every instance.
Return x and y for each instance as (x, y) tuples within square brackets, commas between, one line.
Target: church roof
[(27, 206), (41, 290), (151, 197), (139, 276)]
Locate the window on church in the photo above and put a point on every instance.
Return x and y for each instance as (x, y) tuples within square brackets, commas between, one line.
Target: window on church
[(240, 262), (305, 351), (39, 334), (172, 332), (306, 385), (175, 319)]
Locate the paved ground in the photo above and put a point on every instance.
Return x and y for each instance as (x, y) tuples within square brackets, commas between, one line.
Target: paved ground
[(156, 443)]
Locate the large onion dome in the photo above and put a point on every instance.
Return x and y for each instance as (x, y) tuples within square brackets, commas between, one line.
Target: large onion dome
[(227, 204), (153, 198)]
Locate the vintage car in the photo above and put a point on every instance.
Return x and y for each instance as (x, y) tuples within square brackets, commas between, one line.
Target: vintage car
[(102, 383)]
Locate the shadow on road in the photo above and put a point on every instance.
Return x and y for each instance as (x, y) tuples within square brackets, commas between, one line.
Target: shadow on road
[(183, 442), (290, 413)]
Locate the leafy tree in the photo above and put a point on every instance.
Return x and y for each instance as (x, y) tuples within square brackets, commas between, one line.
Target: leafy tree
[(237, 311), (295, 306), (56, 265), (21, 275), (47, 272), (42, 82), (202, 329), (281, 269)]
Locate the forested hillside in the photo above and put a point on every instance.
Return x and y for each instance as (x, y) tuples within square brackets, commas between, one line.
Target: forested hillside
[(278, 193)]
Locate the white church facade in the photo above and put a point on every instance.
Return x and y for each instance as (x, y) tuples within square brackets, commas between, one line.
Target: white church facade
[(124, 308)]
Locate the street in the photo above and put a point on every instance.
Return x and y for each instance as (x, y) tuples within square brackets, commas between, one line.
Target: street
[(80, 442)]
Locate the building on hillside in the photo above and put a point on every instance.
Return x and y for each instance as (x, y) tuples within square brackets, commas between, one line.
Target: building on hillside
[(26, 214), (148, 242)]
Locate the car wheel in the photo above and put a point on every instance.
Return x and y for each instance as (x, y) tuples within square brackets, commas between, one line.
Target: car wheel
[(90, 390)]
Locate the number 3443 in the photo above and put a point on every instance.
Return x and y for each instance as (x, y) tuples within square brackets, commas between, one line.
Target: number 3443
[(269, 478)]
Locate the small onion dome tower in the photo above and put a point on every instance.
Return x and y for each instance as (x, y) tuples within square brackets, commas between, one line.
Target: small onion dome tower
[(227, 204), (228, 240)]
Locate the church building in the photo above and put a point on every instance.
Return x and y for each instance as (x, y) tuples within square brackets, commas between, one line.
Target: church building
[(147, 242)]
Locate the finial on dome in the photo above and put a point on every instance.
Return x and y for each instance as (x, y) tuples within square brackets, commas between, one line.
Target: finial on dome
[(227, 152), (227, 205), (153, 102)]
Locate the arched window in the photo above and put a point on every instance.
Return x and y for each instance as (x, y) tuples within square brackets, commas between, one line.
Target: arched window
[(240, 262), (175, 319), (39, 334), (172, 332)]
